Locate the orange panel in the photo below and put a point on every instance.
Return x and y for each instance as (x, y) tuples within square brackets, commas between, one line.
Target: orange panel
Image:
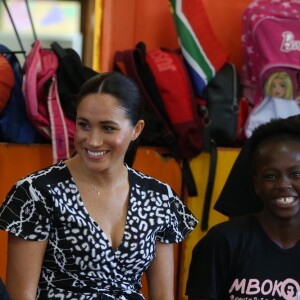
[(226, 20), (16, 161), (126, 22)]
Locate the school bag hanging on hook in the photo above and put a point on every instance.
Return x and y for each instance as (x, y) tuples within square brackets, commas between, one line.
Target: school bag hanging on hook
[(15, 126), (42, 99), (179, 101), (271, 60)]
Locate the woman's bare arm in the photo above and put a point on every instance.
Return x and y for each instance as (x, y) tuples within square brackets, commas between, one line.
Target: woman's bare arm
[(160, 275), (24, 265)]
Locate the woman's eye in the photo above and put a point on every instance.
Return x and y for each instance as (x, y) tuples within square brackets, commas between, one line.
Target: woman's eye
[(83, 125), (108, 128)]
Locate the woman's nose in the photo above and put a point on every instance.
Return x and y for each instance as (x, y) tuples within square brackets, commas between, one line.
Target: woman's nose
[(95, 138)]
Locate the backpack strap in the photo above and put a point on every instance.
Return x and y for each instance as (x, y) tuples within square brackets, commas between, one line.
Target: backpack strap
[(210, 184), (59, 132)]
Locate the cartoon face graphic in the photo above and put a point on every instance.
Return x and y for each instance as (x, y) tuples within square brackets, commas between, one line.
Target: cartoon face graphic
[(278, 88), (279, 85)]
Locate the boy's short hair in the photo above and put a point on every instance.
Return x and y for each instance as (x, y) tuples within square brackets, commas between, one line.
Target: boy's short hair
[(275, 130)]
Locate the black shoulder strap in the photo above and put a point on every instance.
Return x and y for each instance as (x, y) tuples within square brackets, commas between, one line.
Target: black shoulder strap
[(212, 148)]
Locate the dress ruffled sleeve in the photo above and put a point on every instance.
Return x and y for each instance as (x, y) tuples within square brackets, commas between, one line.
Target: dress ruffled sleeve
[(25, 213), (180, 221)]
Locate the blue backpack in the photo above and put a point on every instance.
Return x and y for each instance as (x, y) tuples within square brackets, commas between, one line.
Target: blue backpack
[(15, 126)]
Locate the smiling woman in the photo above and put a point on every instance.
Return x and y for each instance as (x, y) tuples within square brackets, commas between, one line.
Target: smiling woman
[(71, 240), (236, 258)]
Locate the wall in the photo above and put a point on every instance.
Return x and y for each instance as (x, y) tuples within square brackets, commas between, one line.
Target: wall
[(126, 22)]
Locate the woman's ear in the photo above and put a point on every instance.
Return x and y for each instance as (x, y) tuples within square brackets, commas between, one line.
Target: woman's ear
[(138, 129)]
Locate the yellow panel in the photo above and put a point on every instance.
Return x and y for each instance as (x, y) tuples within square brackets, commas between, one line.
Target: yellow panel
[(200, 167)]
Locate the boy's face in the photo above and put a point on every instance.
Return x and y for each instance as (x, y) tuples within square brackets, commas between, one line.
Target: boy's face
[(277, 178)]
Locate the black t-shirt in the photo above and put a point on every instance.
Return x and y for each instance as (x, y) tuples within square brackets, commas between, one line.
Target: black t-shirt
[(237, 260)]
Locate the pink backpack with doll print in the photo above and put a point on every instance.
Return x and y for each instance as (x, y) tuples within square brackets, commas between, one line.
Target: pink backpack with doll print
[(271, 52)]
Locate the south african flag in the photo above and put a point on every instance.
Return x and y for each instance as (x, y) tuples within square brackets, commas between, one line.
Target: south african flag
[(202, 51)]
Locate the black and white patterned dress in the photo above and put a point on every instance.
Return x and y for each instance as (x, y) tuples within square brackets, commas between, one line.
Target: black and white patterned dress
[(79, 262)]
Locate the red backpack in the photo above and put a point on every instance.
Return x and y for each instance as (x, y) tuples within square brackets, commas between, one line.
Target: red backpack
[(177, 94)]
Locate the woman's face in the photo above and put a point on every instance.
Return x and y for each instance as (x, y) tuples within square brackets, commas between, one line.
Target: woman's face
[(278, 88), (103, 132), (277, 178)]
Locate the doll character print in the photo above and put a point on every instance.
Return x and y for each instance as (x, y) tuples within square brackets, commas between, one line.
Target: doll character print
[(279, 85)]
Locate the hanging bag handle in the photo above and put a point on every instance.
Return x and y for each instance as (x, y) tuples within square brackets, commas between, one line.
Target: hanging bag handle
[(15, 28), (31, 20)]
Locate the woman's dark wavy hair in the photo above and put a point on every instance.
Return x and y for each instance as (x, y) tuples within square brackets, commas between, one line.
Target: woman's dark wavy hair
[(275, 130), (126, 91)]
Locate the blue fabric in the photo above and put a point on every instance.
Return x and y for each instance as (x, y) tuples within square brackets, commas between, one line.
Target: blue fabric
[(15, 127)]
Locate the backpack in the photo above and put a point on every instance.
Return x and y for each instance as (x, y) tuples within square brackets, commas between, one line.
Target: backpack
[(161, 77), (6, 80), (225, 113), (226, 109), (71, 74), (157, 131), (173, 83), (42, 100), (15, 126), (271, 57)]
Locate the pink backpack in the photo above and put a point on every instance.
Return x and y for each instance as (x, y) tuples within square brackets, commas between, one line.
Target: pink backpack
[(271, 51), (42, 100)]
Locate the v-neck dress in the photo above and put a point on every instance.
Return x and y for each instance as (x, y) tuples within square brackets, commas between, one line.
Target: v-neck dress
[(80, 262)]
